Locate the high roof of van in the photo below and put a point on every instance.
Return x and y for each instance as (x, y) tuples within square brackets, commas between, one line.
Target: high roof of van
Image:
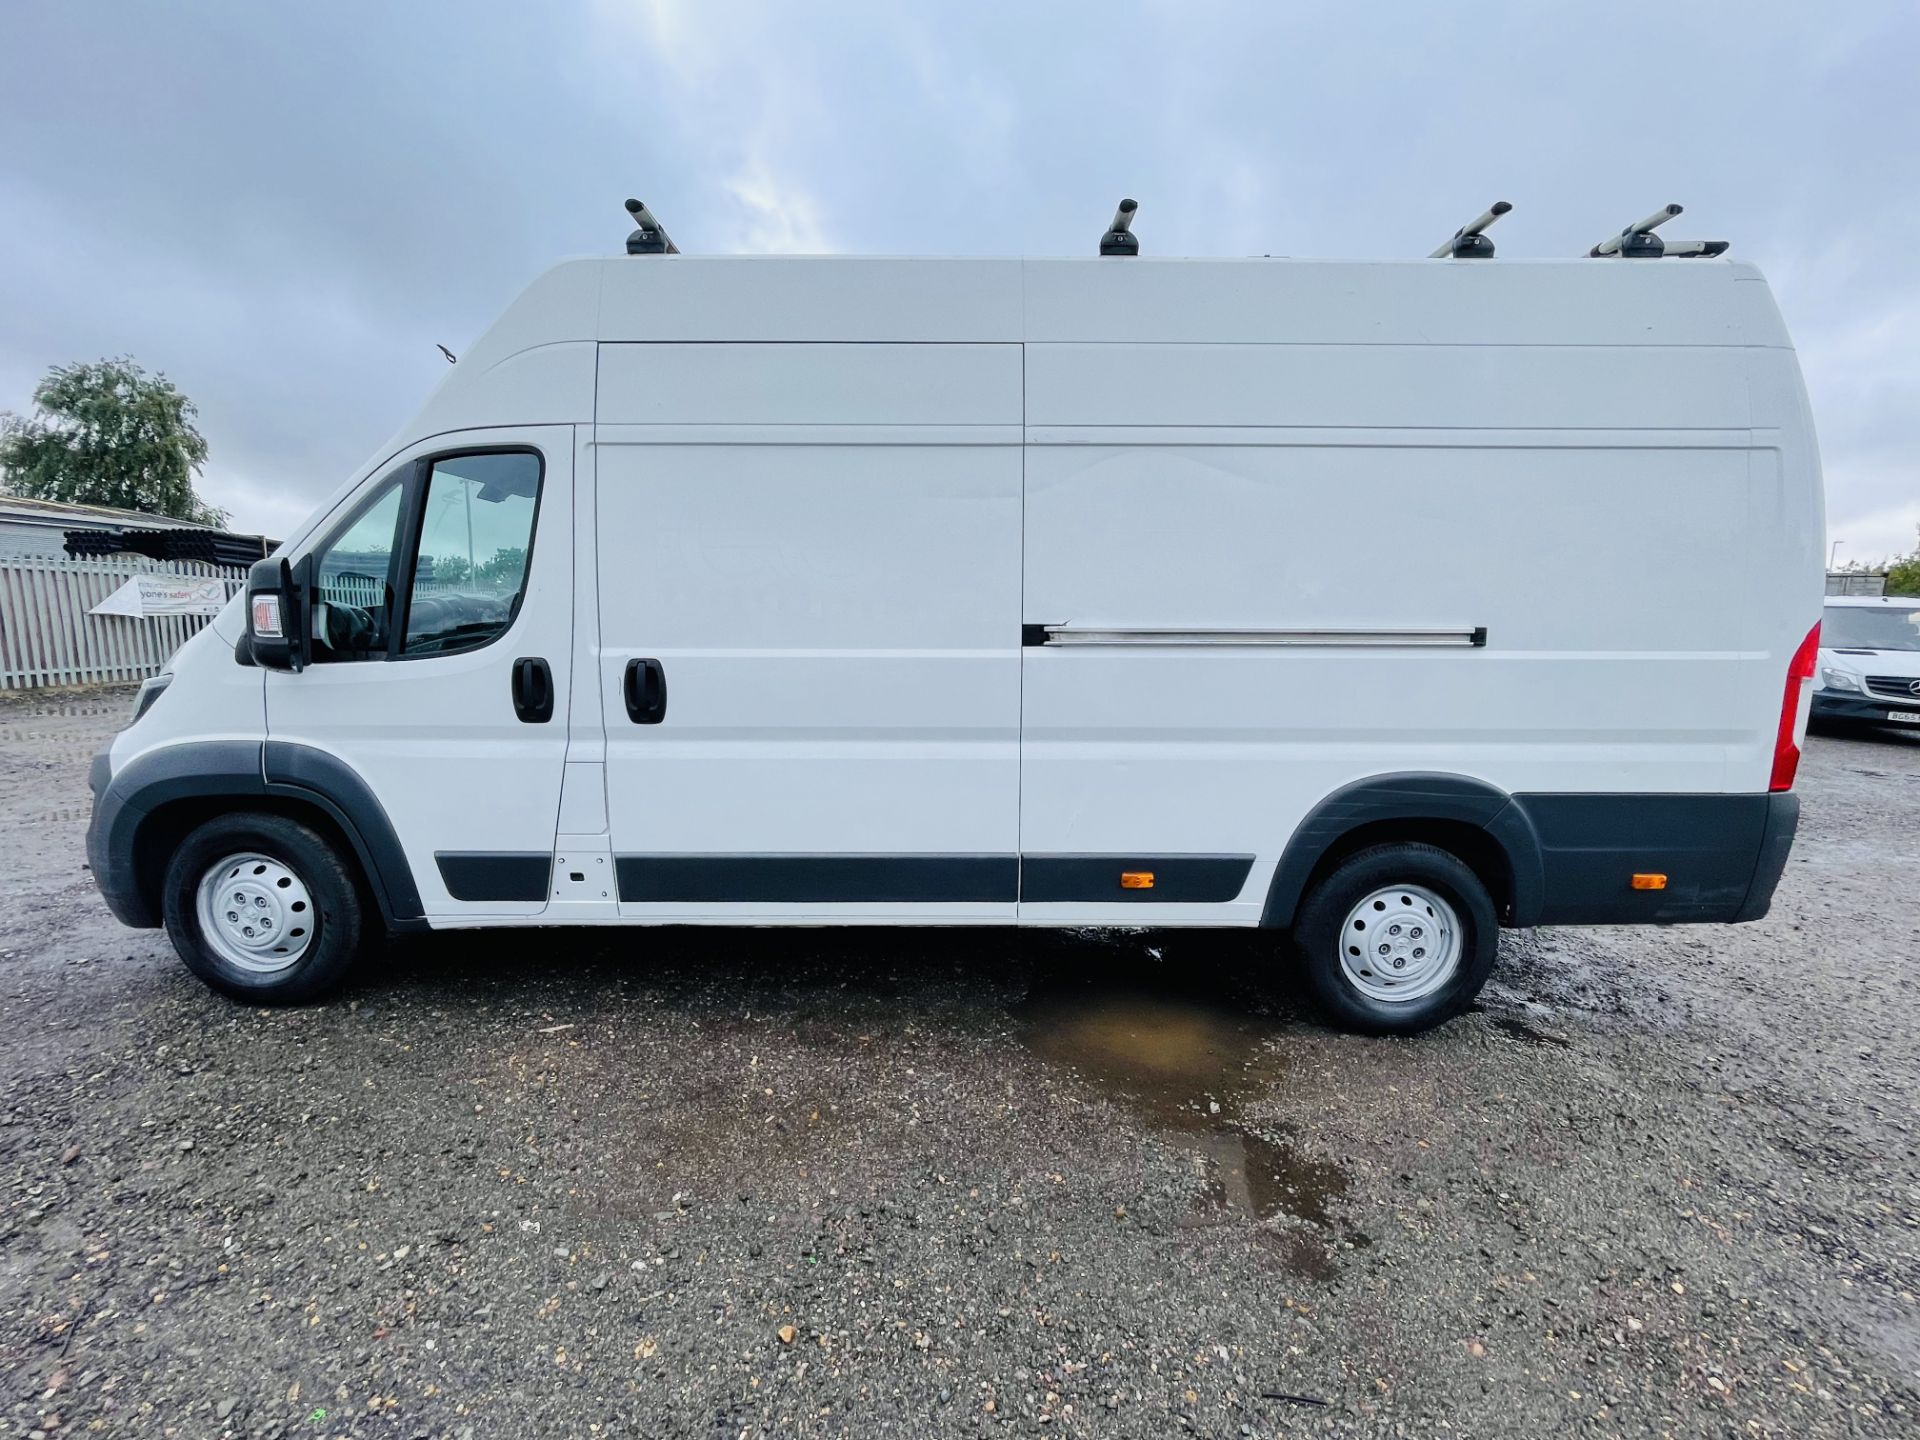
[(537, 362), (1140, 300)]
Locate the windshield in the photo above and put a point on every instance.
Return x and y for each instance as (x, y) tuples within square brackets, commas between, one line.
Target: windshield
[(1871, 627)]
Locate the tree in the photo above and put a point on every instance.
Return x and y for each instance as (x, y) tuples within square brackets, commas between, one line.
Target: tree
[(504, 568), (1903, 573), (448, 569), (108, 434)]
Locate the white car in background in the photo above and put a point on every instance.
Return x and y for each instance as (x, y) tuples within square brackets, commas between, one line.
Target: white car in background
[(1869, 660)]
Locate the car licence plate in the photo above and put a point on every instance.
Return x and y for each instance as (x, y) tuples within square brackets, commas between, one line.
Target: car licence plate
[(1903, 717)]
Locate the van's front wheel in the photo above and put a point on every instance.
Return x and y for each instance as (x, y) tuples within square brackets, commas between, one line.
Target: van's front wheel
[(263, 909), (1397, 938)]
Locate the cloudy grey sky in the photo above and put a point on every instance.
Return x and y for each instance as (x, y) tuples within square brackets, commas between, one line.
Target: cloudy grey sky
[(284, 206)]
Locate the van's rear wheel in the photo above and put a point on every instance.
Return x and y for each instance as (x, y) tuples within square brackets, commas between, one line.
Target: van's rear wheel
[(1397, 938), (263, 909)]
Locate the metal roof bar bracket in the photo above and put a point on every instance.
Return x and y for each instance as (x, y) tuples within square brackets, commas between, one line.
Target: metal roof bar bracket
[(1120, 239), (1470, 241), (1637, 241), (650, 238)]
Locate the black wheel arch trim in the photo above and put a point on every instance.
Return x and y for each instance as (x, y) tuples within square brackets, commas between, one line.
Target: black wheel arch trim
[(1569, 857), (242, 770), (1411, 796), (302, 772)]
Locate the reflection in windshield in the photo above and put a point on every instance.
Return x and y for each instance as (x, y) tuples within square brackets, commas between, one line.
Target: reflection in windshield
[(1870, 627)]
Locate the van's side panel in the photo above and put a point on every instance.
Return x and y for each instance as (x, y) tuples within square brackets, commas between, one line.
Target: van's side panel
[(823, 556), (1563, 500), (1390, 387)]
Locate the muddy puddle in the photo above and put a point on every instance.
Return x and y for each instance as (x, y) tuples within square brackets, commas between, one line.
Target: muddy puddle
[(1187, 1067)]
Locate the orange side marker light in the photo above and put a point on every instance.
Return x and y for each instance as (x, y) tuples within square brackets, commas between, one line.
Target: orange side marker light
[(1649, 882), (1136, 879)]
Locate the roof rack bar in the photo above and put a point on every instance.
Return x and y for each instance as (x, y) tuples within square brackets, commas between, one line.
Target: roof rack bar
[(1120, 239), (1638, 239), (651, 237), (1470, 242), (1696, 249)]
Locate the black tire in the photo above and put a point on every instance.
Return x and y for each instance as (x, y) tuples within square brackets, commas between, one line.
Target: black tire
[(1319, 935), (338, 910)]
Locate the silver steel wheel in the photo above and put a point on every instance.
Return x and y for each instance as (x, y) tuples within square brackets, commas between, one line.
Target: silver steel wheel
[(255, 913), (1400, 944)]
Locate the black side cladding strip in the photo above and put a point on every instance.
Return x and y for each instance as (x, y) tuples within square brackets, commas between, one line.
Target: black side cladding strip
[(1177, 879), (493, 875), (1783, 820), (817, 879), (1710, 847)]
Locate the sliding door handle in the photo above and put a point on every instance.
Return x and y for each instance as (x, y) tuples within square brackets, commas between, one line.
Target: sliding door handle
[(532, 690), (646, 692)]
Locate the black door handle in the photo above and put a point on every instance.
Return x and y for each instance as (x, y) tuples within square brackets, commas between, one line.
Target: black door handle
[(532, 690), (646, 692)]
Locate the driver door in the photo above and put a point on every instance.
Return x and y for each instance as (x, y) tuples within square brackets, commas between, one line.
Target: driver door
[(442, 619)]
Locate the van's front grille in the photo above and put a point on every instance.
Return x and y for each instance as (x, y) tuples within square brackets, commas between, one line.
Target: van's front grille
[(1903, 687)]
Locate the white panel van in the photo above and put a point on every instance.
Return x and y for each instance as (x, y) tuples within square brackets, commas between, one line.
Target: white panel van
[(1869, 661), (1380, 604)]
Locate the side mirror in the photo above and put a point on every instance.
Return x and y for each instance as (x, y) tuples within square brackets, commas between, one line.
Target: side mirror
[(277, 613)]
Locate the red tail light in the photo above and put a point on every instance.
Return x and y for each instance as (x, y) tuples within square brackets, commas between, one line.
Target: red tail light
[(1793, 711)]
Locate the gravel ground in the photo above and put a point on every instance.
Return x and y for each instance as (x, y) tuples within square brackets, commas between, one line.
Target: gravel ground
[(729, 1184)]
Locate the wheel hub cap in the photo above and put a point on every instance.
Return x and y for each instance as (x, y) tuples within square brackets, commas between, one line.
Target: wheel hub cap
[(255, 912), (1400, 944)]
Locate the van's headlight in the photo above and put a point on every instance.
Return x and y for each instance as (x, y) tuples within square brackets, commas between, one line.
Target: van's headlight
[(1839, 680), (150, 690)]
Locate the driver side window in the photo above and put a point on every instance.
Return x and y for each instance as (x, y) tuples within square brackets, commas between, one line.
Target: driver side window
[(433, 562), (476, 530)]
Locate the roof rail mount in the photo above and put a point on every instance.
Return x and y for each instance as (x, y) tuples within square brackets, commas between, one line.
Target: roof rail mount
[(1696, 249), (1470, 241), (1120, 239), (651, 238), (1638, 242)]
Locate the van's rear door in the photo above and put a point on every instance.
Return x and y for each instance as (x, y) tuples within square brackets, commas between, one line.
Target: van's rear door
[(809, 562)]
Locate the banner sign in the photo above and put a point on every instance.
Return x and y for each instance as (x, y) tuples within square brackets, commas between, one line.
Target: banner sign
[(165, 595)]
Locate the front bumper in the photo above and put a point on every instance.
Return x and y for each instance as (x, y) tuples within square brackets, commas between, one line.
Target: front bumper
[(1877, 709), (112, 863)]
